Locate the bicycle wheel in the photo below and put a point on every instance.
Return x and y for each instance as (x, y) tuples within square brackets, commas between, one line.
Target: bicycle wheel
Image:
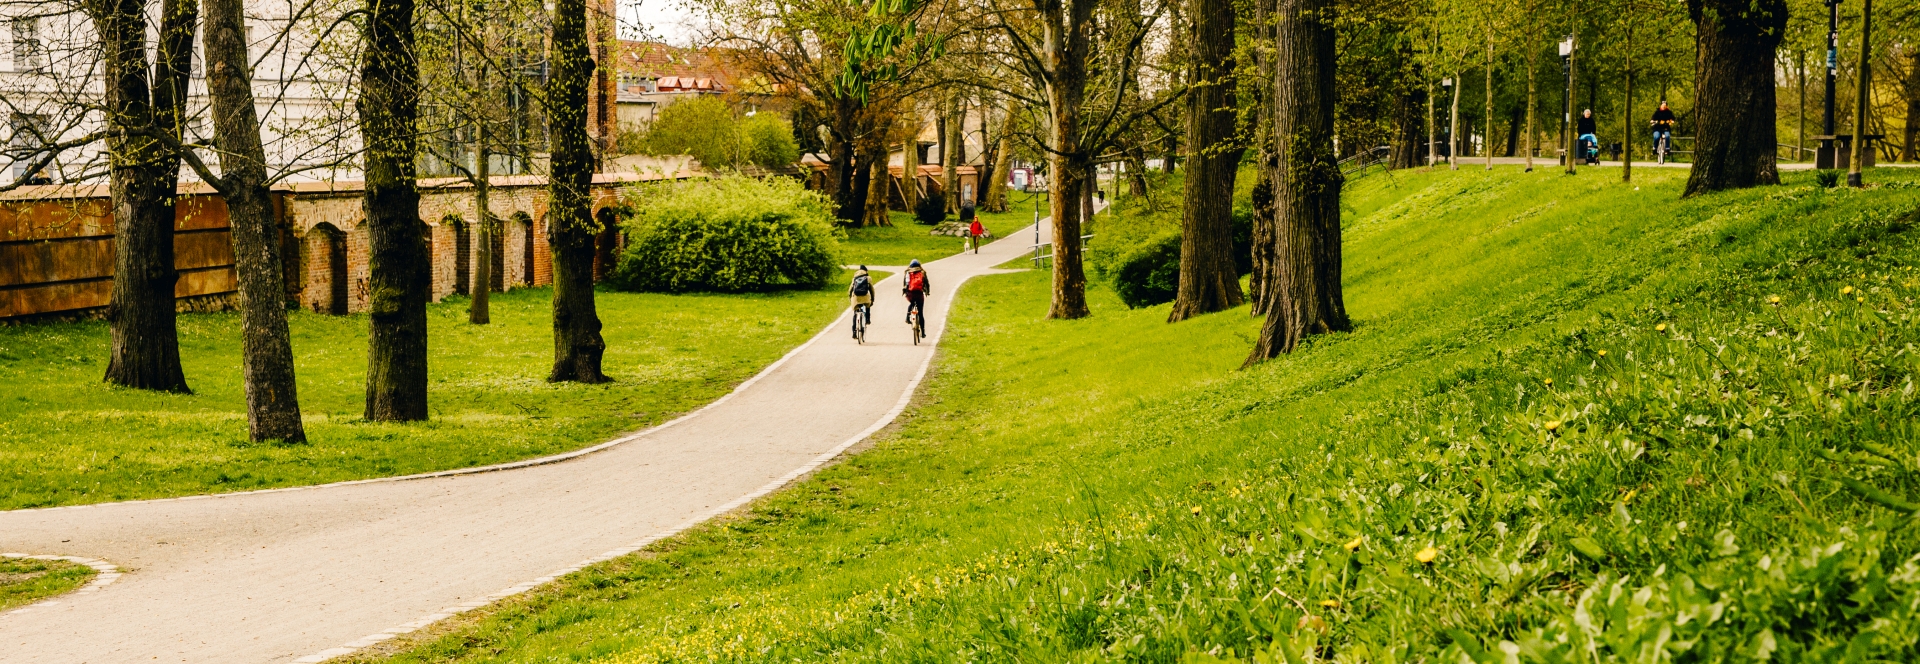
[(916, 328)]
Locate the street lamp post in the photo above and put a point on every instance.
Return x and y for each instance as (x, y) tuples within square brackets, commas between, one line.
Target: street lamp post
[(1566, 104), (1446, 88), (1825, 158)]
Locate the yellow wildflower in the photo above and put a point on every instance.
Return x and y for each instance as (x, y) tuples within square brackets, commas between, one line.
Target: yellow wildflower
[(1426, 555), (1196, 509), (1660, 328), (1354, 543), (1847, 290), (1330, 603), (1553, 425)]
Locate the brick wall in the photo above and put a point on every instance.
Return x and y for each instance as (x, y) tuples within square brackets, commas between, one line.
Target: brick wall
[(56, 243)]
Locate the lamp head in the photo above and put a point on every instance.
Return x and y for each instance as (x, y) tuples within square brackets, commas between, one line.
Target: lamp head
[(1566, 47)]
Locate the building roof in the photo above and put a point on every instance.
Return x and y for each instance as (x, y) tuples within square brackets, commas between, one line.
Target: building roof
[(676, 69)]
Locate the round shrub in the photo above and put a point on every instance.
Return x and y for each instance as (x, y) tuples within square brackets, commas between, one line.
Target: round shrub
[(1149, 274), (730, 234), (932, 208)]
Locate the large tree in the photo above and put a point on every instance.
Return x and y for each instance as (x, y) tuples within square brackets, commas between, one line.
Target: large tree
[(1303, 290), (571, 227), (1734, 74), (145, 107), (1209, 280), (397, 260), (266, 360)]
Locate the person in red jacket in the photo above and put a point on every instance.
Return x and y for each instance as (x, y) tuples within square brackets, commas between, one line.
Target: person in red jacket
[(915, 286), (975, 231)]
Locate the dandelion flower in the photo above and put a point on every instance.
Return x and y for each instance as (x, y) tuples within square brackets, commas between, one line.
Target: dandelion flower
[(1330, 603), (1196, 509), (1553, 425), (1354, 543), (1859, 299), (1660, 328), (1549, 382), (1426, 555), (1773, 299), (1603, 353), (1847, 290)]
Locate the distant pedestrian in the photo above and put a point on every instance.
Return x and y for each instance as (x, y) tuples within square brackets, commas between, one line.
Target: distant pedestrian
[(974, 232)]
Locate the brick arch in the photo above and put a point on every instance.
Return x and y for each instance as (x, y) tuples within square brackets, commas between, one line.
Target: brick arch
[(325, 265), (462, 251), (526, 239)]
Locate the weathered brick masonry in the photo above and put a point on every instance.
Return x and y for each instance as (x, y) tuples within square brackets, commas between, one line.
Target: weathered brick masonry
[(56, 243)]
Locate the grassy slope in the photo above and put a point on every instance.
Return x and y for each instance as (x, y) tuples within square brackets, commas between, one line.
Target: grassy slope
[(24, 581), (1555, 383), (66, 438)]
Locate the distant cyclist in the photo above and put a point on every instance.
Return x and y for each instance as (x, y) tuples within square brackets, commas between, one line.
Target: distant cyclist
[(916, 287), (1589, 143), (861, 290), (1663, 131)]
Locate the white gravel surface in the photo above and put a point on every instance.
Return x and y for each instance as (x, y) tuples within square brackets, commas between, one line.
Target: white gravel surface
[(310, 573)]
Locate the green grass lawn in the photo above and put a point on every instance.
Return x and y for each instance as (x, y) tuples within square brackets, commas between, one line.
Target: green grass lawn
[(67, 438), (24, 581), (1572, 423)]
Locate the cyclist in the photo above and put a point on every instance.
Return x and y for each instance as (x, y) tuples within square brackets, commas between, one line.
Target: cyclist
[(1663, 131), (861, 290), (1589, 145), (915, 286)]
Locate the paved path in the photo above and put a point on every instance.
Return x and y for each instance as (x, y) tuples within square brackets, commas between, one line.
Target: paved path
[(306, 574)]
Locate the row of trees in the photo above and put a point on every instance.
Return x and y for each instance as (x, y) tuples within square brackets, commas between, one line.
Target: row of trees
[(457, 83), (1294, 86)]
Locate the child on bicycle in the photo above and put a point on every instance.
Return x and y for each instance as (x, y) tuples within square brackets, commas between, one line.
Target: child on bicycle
[(861, 290), (916, 287)]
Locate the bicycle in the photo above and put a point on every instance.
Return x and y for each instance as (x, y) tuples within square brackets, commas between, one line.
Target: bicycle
[(919, 330), (860, 322), (1662, 145)]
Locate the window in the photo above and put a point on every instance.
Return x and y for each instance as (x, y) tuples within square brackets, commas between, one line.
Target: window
[(28, 133), (28, 53)]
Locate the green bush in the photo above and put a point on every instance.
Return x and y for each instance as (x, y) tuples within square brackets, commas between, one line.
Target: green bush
[(1149, 274), (932, 208), (733, 233), (702, 126), (769, 141)]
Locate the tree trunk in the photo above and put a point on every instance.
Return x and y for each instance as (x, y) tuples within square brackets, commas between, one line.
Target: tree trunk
[(1265, 170), (1734, 105), (397, 262), (1209, 281), (1488, 132), (956, 146), (840, 167), (1513, 133), (1406, 125), (1066, 26), (1863, 83), (1910, 149), (996, 200), (1533, 58), (910, 161), (144, 177), (878, 183), (1626, 116), (571, 227), (1453, 124), (1304, 294), (266, 360), (479, 310), (1433, 149)]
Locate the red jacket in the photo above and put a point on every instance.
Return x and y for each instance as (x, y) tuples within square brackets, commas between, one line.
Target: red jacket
[(976, 230)]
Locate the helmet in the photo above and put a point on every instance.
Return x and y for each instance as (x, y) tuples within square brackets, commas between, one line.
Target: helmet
[(913, 263)]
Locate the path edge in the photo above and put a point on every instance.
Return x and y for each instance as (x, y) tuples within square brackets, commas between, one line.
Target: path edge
[(105, 573)]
